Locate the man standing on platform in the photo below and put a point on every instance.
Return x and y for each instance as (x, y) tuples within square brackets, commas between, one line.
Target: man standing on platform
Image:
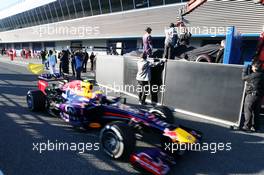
[(147, 42), (170, 41)]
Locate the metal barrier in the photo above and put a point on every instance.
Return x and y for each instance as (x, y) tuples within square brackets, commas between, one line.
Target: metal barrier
[(110, 70), (211, 91)]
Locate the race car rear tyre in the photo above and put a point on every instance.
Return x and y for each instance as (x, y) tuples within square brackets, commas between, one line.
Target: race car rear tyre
[(36, 100), (203, 58), (118, 140), (163, 113)]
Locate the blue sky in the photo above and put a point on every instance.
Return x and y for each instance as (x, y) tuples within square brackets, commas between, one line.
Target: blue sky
[(7, 3)]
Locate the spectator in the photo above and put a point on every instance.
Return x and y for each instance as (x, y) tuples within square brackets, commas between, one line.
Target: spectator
[(254, 77), (156, 82), (170, 41), (43, 55), (147, 42), (73, 64), (220, 54), (64, 62), (78, 64), (52, 62), (143, 77), (92, 57), (86, 58)]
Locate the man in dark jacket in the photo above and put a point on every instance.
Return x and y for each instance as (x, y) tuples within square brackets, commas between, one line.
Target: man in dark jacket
[(92, 57), (86, 58), (64, 62), (254, 77), (156, 82)]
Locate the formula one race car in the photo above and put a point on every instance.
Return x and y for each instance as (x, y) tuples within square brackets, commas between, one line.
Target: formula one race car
[(121, 124)]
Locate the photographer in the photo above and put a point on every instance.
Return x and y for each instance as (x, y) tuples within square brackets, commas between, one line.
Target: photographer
[(254, 77)]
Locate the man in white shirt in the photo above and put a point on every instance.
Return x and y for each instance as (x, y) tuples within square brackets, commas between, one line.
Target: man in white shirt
[(52, 62), (170, 41)]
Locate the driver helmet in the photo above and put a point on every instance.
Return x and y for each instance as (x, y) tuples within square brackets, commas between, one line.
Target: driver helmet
[(87, 88)]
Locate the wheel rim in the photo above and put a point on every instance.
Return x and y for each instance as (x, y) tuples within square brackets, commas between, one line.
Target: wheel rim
[(110, 142), (29, 101)]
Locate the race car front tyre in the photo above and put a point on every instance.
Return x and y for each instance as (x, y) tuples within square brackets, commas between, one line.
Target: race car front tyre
[(203, 58), (36, 100), (163, 113), (118, 140)]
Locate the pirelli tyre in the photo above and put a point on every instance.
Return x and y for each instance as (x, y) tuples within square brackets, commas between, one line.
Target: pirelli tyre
[(118, 140), (203, 58), (163, 113), (36, 100)]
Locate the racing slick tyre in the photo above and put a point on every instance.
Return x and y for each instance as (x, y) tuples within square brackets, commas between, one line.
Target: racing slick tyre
[(163, 113), (36, 100), (203, 58), (118, 140)]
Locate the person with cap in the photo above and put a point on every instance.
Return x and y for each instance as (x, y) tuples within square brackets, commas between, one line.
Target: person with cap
[(171, 38), (147, 42)]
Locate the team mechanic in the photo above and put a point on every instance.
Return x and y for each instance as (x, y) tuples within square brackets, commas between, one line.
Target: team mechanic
[(254, 76)]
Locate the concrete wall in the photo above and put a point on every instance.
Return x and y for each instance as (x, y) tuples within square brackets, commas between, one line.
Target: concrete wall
[(95, 43), (60, 45)]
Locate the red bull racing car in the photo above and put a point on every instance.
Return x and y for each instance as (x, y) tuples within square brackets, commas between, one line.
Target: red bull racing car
[(121, 125)]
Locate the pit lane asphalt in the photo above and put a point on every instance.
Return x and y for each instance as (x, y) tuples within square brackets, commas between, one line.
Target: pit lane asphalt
[(19, 129)]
